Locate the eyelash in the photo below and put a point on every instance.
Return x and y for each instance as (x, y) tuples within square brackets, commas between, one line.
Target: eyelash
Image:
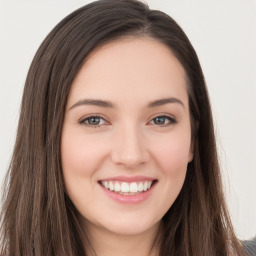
[(171, 121)]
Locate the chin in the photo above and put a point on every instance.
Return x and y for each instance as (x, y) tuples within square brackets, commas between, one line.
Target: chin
[(128, 227)]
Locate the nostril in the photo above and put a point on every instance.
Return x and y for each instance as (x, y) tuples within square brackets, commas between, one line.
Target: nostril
[(130, 152), (129, 160)]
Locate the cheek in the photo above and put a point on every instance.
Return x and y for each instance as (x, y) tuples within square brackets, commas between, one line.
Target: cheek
[(172, 155), (80, 155), (80, 159)]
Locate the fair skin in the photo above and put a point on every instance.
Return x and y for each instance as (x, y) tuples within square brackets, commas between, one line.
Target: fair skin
[(126, 126)]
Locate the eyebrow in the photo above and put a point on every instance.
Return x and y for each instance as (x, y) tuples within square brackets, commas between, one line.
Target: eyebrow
[(94, 102), (161, 102), (108, 104)]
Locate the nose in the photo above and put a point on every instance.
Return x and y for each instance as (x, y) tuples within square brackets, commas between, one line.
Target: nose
[(129, 148)]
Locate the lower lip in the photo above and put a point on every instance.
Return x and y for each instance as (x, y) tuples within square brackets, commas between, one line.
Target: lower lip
[(129, 199)]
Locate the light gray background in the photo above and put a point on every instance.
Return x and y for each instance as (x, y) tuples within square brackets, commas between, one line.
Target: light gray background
[(223, 33)]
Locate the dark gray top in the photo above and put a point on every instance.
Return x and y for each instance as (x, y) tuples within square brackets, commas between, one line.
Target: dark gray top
[(250, 247)]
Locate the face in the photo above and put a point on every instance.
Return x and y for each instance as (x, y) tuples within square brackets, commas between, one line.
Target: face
[(126, 138)]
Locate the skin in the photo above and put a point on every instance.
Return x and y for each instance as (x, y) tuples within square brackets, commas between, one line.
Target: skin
[(130, 73)]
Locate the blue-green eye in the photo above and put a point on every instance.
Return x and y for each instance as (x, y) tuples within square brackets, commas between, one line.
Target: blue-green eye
[(163, 120), (93, 121)]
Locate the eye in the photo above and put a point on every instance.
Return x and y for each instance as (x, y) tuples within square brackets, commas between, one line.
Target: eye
[(93, 121), (163, 120)]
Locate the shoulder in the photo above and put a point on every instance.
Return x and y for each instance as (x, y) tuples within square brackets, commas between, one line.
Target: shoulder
[(250, 247)]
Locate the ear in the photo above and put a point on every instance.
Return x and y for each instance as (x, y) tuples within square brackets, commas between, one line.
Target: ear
[(192, 144), (191, 151)]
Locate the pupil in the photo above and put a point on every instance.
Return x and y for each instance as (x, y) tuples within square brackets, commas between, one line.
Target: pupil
[(94, 120), (159, 120)]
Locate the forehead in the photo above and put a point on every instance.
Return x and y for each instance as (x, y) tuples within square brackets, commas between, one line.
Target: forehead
[(130, 68)]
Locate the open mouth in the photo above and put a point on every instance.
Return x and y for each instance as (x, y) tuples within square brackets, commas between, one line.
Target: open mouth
[(128, 188)]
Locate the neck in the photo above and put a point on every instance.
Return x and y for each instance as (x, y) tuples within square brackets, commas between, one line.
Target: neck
[(106, 243)]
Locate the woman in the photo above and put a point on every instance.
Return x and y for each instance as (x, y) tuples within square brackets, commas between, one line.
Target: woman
[(115, 151)]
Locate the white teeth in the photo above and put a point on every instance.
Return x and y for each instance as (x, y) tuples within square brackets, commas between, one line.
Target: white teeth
[(111, 186), (140, 187), (125, 187), (134, 187), (105, 184), (117, 187)]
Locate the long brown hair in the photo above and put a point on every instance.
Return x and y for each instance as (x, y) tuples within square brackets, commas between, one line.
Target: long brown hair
[(38, 217)]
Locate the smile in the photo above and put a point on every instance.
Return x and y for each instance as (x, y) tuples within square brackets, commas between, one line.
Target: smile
[(127, 188)]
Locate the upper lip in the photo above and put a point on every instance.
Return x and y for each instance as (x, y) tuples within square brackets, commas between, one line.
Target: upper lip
[(128, 178)]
